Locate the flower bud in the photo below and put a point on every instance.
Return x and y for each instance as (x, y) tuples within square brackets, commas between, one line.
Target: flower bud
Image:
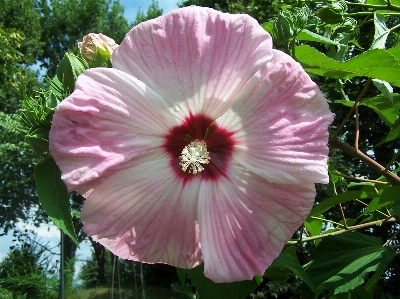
[(284, 27), (92, 42), (333, 13)]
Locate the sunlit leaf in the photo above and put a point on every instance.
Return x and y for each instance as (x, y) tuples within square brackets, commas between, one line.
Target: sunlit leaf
[(340, 262), (381, 32), (377, 63)]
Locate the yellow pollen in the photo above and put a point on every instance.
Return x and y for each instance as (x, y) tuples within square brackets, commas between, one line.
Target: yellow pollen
[(193, 155)]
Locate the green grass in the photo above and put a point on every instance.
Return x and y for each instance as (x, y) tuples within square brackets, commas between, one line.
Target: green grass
[(150, 293)]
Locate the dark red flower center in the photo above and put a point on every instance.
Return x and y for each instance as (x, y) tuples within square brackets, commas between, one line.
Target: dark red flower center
[(199, 127)]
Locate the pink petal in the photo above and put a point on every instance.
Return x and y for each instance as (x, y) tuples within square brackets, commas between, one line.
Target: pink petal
[(146, 214), (281, 122), (245, 221), (110, 119), (196, 58)]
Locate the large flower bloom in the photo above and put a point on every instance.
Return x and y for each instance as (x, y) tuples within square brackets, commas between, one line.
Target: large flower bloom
[(201, 144)]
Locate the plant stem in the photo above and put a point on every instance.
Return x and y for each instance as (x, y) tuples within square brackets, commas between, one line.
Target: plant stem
[(389, 6), (352, 109), (390, 176), (360, 179), (341, 231)]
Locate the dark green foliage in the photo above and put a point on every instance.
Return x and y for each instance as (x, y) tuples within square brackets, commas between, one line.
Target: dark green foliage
[(26, 271), (65, 22)]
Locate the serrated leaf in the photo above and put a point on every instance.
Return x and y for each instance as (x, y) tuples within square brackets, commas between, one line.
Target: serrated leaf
[(340, 262), (69, 69), (208, 289), (381, 32), (377, 63), (53, 196), (314, 37)]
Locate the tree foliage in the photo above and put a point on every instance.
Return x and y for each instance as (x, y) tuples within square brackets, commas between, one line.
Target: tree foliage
[(65, 22), (153, 11), (26, 271)]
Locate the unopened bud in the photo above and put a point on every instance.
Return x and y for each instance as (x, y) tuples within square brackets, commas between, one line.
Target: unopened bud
[(333, 13), (92, 42)]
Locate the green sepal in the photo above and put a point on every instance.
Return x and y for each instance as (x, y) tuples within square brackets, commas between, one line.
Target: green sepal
[(102, 58)]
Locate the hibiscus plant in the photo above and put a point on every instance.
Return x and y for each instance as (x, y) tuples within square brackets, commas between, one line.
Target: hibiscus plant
[(197, 142)]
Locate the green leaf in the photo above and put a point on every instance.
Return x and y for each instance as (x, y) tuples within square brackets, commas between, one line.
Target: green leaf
[(340, 262), (358, 293), (342, 197), (388, 195), (69, 69), (396, 205), (53, 196), (102, 58), (387, 110), (314, 37), (385, 88), (381, 32), (313, 225), (377, 63), (208, 289), (285, 260), (373, 281), (393, 133)]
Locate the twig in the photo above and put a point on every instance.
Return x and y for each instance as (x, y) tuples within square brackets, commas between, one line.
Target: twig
[(343, 217), (352, 108), (357, 129), (341, 231), (360, 179), (390, 176), (380, 212)]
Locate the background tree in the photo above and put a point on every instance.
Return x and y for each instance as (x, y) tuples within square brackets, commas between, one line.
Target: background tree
[(153, 11), (27, 270), (65, 22)]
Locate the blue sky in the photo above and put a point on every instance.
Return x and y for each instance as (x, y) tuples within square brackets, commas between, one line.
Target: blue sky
[(132, 6)]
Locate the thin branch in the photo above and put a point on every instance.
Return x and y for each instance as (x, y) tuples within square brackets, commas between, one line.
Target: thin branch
[(389, 6), (380, 212), (357, 128), (360, 179), (341, 231), (390, 176), (343, 217), (352, 109)]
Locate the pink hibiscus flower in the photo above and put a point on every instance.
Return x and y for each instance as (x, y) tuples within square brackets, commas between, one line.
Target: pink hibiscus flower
[(201, 144)]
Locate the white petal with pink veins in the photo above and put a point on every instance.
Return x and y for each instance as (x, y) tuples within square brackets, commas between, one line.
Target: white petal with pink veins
[(145, 214), (196, 59), (280, 120), (245, 221), (108, 120)]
